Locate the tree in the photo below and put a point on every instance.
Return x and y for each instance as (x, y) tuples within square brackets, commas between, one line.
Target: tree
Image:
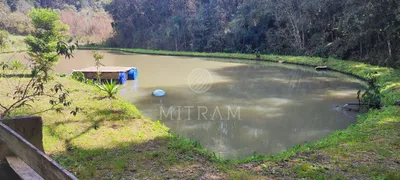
[(247, 32), (204, 28), (371, 30), (97, 59), (88, 25), (47, 41), (349, 29), (45, 46)]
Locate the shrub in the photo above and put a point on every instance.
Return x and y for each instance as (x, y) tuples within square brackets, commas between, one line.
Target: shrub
[(3, 40), (372, 96), (79, 76), (16, 65), (110, 87)]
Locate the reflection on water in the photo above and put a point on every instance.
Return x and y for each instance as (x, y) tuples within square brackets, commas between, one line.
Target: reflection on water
[(250, 107)]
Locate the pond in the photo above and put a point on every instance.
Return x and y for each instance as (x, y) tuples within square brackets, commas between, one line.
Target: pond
[(233, 107)]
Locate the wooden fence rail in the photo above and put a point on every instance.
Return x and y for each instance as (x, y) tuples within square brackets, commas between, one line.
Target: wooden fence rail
[(16, 147)]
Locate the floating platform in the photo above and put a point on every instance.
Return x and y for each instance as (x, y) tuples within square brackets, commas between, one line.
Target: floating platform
[(322, 68), (110, 73)]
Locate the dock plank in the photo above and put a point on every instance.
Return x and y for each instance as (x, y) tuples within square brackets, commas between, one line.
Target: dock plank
[(105, 69)]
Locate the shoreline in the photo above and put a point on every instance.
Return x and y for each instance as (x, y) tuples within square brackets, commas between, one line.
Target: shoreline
[(339, 154), (248, 57)]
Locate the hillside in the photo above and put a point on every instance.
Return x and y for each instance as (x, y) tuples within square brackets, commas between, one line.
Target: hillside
[(87, 20), (365, 31)]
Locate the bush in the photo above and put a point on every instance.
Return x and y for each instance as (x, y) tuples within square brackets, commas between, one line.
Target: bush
[(372, 96), (79, 76), (3, 40), (16, 65)]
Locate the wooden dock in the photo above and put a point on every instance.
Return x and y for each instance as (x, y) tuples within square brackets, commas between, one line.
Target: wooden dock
[(107, 72)]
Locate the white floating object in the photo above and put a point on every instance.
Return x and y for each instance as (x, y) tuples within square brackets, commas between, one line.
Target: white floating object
[(321, 68), (159, 93)]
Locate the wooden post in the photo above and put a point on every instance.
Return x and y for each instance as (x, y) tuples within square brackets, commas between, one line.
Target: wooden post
[(29, 127)]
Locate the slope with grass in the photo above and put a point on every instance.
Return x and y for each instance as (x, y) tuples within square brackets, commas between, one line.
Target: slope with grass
[(15, 44)]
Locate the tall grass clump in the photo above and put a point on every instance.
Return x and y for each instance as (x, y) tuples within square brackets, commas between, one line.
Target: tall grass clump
[(111, 88)]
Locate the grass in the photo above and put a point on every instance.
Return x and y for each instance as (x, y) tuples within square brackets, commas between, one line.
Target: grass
[(368, 149), (17, 44), (110, 139)]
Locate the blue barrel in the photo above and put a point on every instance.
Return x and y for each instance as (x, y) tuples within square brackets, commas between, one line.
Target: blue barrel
[(133, 74), (122, 78)]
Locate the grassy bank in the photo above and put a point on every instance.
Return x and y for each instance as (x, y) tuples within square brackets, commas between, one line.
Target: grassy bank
[(110, 139), (16, 44), (368, 149)]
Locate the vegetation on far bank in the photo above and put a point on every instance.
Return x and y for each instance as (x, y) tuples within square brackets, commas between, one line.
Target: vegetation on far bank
[(346, 29), (366, 31)]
